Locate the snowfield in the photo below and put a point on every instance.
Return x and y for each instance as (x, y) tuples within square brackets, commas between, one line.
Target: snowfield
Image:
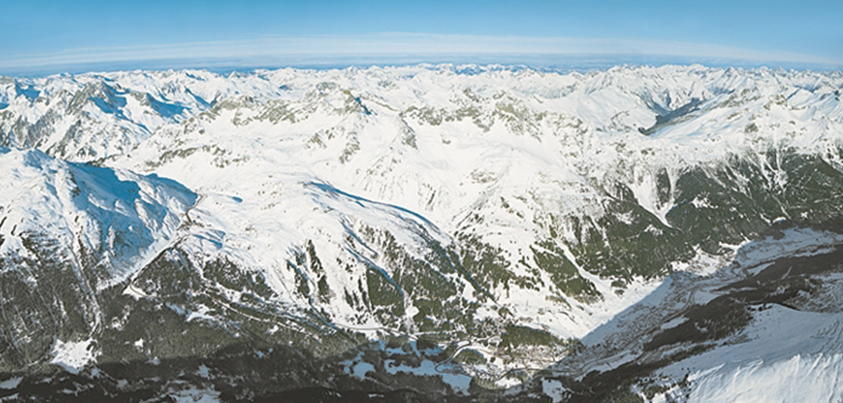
[(457, 203)]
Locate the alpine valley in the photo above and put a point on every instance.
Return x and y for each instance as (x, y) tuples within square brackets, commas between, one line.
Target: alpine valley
[(422, 233)]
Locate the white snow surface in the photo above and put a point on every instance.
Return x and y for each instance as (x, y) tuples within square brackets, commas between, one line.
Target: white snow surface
[(553, 389), (290, 155), (11, 383), (813, 378), (361, 369), (129, 216), (783, 355), (73, 356), (281, 157)]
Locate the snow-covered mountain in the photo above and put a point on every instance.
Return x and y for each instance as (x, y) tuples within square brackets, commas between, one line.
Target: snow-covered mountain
[(765, 327), (500, 215), (68, 233)]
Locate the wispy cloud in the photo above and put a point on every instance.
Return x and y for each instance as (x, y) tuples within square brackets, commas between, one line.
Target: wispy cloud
[(392, 46)]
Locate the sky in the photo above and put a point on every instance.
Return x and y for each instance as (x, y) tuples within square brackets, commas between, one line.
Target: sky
[(54, 36)]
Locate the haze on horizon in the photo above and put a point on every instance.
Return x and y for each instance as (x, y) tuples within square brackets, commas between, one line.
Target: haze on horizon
[(45, 37)]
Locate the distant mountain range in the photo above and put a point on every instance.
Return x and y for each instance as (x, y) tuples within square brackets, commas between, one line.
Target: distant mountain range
[(422, 233)]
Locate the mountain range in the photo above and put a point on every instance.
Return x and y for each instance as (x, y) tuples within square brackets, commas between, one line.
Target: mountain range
[(432, 232)]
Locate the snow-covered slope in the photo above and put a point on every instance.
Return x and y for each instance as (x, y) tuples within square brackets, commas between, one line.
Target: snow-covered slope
[(68, 231), (463, 204), (766, 327), (124, 217), (538, 168)]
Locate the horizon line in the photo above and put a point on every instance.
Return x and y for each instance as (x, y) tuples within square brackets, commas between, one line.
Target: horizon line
[(389, 48)]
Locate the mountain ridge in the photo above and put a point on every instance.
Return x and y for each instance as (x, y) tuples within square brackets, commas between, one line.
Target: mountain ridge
[(466, 209)]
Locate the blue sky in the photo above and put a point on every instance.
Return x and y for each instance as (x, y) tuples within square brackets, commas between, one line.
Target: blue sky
[(56, 35)]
